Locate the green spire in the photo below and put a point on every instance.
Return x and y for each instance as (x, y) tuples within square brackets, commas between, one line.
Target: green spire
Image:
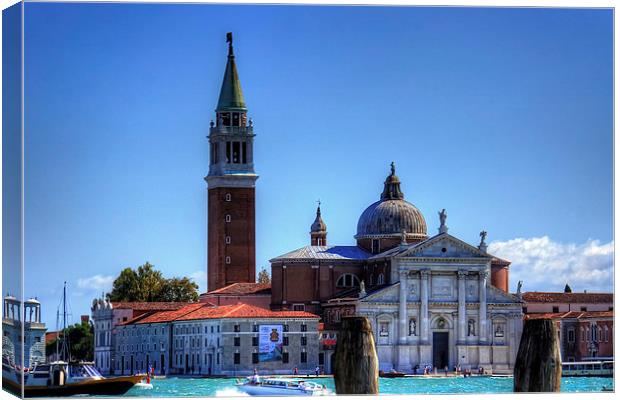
[(231, 96)]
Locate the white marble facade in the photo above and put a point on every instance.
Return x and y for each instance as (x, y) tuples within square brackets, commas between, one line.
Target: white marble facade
[(441, 292)]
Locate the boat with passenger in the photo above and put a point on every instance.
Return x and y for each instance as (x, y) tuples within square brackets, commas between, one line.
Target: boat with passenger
[(255, 386), (61, 378), (65, 377), (598, 368)]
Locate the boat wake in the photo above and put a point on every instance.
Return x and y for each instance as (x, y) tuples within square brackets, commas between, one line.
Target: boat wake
[(229, 392)]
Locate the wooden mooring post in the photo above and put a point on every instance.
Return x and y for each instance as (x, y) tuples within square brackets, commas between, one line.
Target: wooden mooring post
[(538, 367), (356, 366)]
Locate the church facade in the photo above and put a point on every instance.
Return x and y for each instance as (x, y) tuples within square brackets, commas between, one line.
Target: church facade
[(435, 301)]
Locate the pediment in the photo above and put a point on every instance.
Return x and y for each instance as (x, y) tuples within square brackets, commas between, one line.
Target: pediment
[(444, 246), (495, 295), (388, 294)]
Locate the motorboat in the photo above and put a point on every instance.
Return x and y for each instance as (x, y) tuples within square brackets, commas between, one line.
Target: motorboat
[(391, 374), (600, 368), (66, 379), (255, 386)]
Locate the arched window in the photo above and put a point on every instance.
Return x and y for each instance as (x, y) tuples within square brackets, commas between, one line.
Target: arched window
[(606, 334), (348, 280), (380, 279), (471, 327), (370, 280)]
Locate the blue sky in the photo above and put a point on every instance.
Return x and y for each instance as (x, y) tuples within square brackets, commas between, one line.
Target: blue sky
[(501, 116)]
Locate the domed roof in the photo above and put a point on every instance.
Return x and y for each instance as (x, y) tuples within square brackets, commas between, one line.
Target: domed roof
[(391, 215)]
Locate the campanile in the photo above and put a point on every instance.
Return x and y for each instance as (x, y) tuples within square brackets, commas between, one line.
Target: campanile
[(230, 186)]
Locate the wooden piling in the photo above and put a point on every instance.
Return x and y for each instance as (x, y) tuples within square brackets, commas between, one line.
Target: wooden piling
[(538, 367), (356, 366)]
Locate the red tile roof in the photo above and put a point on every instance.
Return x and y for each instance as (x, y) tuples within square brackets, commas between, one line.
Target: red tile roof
[(148, 306), (571, 315), (242, 310), (560, 297), (239, 289), (197, 311), (166, 316), (50, 336)]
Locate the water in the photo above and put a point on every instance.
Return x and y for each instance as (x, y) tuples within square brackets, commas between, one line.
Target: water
[(186, 387)]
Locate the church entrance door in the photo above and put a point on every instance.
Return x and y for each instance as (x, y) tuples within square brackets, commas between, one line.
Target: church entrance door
[(440, 350)]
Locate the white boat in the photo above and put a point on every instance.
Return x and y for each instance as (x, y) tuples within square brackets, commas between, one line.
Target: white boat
[(601, 368), (255, 386)]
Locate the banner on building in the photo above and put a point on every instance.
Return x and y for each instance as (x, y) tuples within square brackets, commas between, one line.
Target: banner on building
[(269, 342)]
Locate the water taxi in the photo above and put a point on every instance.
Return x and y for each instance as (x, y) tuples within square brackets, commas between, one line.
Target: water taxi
[(255, 386), (600, 368)]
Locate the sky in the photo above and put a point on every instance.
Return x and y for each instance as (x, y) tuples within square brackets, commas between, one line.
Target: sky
[(501, 116)]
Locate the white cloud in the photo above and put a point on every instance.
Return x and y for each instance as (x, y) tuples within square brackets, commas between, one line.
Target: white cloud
[(545, 265), (200, 278), (100, 283)]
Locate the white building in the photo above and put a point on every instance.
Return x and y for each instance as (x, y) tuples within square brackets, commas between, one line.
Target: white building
[(33, 341)]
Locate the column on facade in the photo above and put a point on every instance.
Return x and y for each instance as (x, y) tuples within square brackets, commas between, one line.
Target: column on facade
[(402, 307), (482, 309), (424, 305), (461, 275)]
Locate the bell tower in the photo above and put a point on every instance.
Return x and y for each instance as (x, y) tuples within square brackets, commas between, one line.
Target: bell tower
[(231, 186)]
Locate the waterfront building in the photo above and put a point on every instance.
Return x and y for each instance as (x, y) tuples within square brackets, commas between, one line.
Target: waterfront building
[(32, 343), (584, 321), (555, 302), (256, 294), (431, 300), (202, 339), (584, 335), (231, 186), (107, 315)]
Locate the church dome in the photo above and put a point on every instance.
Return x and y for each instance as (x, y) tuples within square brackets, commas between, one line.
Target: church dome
[(391, 215)]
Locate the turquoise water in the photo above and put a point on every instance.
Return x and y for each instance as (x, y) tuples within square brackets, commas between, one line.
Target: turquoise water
[(177, 387)]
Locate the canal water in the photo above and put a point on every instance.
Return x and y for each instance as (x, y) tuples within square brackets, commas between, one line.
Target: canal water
[(186, 387)]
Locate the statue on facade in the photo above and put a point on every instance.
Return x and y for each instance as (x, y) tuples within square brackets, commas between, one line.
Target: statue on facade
[(403, 237), (519, 285), (362, 287), (442, 221), (471, 328), (393, 168), (412, 326), (483, 238)]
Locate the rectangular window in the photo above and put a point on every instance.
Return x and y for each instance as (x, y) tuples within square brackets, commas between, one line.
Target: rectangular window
[(228, 260), (556, 309), (235, 119), (254, 358), (228, 218), (584, 308), (228, 152), (227, 239), (225, 117), (237, 328), (304, 341), (284, 358), (321, 358), (217, 358), (571, 336), (304, 327), (237, 358), (299, 307), (254, 341), (375, 246), (285, 341), (304, 357), (237, 341), (243, 150), (254, 328), (285, 328)]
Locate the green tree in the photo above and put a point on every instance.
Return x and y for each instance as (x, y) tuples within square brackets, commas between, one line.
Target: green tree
[(125, 287), (145, 283), (263, 276), (567, 289), (179, 289), (81, 342)]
